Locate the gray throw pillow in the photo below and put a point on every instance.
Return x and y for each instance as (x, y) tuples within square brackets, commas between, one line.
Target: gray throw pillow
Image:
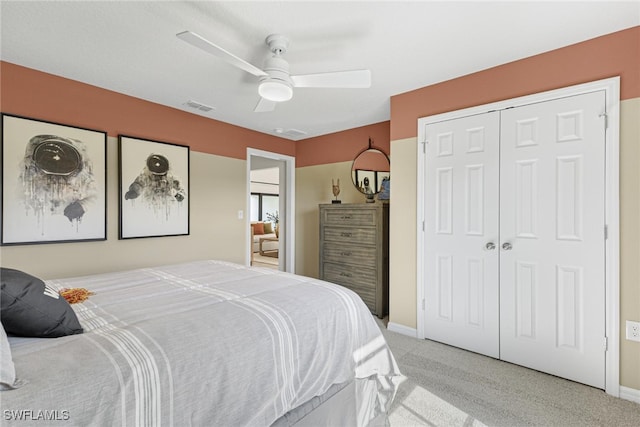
[(28, 308)]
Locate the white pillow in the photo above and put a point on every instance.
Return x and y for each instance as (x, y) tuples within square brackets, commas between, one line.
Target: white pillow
[(8, 379)]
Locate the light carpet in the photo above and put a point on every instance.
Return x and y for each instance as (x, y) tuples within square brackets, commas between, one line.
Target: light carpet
[(447, 386)]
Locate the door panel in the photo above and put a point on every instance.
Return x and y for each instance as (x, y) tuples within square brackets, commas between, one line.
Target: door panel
[(552, 280), (462, 217)]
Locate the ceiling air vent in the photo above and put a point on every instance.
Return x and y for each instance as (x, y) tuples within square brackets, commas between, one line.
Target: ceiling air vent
[(293, 133), (198, 106)]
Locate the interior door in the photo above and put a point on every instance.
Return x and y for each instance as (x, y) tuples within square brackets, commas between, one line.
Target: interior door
[(552, 260), (461, 228)]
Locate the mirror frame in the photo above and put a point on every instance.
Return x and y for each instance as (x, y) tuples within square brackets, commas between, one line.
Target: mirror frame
[(378, 176)]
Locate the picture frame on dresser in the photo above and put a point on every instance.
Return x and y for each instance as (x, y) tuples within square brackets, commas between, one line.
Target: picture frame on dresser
[(53, 182), (154, 188)]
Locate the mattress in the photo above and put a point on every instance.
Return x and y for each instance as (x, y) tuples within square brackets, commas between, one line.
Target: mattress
[(202, 343)]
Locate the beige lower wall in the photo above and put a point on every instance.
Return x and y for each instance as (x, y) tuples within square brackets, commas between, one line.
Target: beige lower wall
[(403, 233), (629, 238), (218, 191), (313, 187), (402, 293)]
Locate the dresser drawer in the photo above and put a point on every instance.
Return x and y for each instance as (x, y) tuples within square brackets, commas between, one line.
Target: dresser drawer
[(361, 236), (361, 277), (351, 254), (359, 280), (370, 301), (350, 217), (367, 295)]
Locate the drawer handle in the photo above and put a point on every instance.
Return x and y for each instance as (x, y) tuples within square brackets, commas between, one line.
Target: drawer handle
[(345, 234), (345, 217), (345, 274), (345, 253)]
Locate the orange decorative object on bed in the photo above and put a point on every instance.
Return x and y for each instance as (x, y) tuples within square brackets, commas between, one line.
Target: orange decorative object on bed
[(75, 295)]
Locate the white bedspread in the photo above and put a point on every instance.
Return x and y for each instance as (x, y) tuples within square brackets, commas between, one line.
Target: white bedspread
[(206, 343)]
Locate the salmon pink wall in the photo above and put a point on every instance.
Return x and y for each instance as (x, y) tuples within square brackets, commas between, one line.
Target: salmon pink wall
[(342, 146), (615, 54), (31, 93)]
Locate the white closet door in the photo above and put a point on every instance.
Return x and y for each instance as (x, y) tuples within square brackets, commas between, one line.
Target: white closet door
[(461, 269), (552, 277)]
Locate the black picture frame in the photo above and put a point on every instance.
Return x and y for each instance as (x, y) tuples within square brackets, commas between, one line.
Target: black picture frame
[(53, 182), (154, 188)]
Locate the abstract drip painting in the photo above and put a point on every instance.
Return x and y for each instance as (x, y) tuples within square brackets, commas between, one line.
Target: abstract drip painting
[(53, 182), (154, 188)]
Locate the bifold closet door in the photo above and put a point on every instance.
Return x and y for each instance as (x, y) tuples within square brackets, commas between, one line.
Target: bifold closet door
[(461, 231), (552, 259), (515, 235)]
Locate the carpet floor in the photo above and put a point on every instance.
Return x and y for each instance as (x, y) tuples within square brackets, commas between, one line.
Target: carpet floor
[(447, 386)]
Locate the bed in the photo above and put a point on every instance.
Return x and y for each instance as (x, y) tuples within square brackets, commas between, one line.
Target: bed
[(206, 343)]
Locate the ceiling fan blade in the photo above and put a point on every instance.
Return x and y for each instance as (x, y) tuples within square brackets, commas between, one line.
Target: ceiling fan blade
[(204, 44), (264, 105), (345, 79)]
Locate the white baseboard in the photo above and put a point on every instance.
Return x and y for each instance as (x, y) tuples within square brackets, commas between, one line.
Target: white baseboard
[(401, 329), (631, 394)]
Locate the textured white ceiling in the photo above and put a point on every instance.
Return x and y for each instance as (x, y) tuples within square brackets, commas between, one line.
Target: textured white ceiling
[(131, 47)]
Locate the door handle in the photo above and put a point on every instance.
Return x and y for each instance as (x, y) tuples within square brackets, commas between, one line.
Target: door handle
[(506, 246), (490, 246)]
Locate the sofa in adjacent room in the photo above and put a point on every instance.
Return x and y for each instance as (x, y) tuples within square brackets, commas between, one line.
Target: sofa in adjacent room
[(260, 230)]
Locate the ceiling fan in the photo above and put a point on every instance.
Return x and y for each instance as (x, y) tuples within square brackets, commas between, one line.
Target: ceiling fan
[(276, 84)]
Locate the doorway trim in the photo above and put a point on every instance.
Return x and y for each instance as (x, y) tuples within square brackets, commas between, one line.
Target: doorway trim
[(288, 219), (611, 86)]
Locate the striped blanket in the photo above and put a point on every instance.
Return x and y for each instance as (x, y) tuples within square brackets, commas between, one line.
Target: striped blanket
[(201, 343)]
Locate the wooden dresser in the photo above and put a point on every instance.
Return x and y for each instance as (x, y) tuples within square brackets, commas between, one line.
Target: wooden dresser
[(354, 250)]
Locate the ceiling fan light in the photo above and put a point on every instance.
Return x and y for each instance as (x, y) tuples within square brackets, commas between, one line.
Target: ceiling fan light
[(275, 90)]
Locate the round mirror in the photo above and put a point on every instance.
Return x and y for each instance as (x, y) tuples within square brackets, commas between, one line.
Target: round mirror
[(368, 171)]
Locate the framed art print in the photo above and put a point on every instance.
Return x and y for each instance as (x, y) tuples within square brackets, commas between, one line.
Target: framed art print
[(154, 188), (53, 182)]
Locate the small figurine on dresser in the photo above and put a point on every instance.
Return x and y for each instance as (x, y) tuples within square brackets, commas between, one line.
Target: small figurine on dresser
[(336, 190)]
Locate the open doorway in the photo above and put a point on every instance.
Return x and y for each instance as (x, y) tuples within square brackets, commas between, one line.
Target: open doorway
[(270, 216), (264, 212)]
